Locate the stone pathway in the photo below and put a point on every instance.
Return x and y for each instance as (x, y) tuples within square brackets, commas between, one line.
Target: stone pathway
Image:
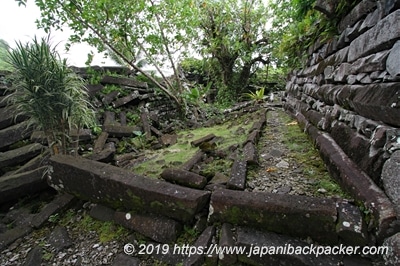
[(278, 171)]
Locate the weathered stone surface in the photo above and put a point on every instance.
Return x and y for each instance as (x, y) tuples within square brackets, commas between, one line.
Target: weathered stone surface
[(169, 139), (392, 62), (391, 179), (358, 12), (102, 213), (124, 100), (359, 184), (226, 239), (326, 7), (60, 203), (276, 250), (14, 134), (13, 234), (197, 142), (106, 155), (123, 259), (7, 118), (197, 157), (370, 63), (119, 188), (351, 228), (381, 37), (109, 97), (237, 178), (100, 142), (185, 178), (20, 185), (157, 228), (250, 153), (379, 102), (124, 81), (288, 214), (120, 131), (34, 257), (60, 239), (19, 155), (203, 241), (393, 256)]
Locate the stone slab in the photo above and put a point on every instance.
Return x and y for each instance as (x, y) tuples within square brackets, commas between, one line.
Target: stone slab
[(120, 188), (184, 178), (203, 241), (358, 184), (381, 37), (14, 134), (288, 214), (20, 155), (237, 178), (157, 228), (20, 185)]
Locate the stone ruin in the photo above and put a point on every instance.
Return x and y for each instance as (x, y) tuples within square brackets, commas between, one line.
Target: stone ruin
[(346, 99)]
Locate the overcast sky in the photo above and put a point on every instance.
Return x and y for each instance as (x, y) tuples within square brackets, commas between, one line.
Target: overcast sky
[(18, 24)]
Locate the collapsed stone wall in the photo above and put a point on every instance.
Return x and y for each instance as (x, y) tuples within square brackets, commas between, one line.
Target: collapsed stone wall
[(349, 91)]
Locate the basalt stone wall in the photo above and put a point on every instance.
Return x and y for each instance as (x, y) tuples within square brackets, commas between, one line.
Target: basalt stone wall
[(349, 88)]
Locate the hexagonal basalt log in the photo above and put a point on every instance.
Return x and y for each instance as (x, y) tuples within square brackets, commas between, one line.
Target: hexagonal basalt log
[(288, 214), (119, 188)]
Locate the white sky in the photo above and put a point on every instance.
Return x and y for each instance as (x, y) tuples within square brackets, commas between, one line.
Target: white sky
[(18, 24)]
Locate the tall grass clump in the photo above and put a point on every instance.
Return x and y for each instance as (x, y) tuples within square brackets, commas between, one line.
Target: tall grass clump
[(47, 91)]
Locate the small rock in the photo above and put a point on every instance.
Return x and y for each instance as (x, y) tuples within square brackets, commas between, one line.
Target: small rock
[(282, 164), (284, 190), (322, 190)]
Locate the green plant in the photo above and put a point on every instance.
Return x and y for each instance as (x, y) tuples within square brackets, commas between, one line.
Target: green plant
[(257, 96), (141, 136), (47, 91)]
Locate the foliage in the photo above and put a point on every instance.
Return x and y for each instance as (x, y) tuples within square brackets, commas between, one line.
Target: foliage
[(4, 48), (155, 30), (234, 37), (48, 92), (296, 25), (257, 96)]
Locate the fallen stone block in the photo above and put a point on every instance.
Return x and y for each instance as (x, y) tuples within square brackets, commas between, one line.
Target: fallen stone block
[(184, 178), (197, 142), (100, 142), (102, 213), (60, 203), (351, 227), (250, 153), (124, 100), (197, 157), (253, 137), (20, 155), (120, 131), (123, 259), (267, 248), (294, 215), (203, 242), (106, 155), (157, 228), (20, 185), (226, 239), (13, 234), (15, 133), (237, 178), (124, 82), (120, 188), (7, 118), (359, 185)]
